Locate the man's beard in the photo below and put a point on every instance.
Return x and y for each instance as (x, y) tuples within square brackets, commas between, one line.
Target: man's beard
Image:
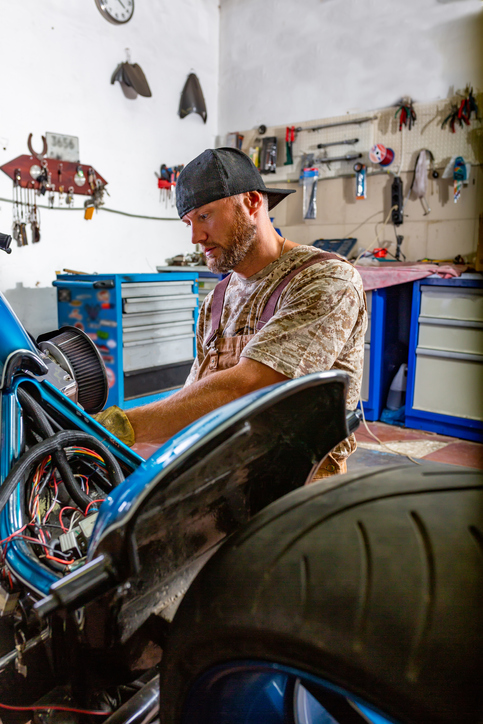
[(240, 244)]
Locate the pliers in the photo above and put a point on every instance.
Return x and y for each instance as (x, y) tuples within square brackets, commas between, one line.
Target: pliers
[(289, 139)]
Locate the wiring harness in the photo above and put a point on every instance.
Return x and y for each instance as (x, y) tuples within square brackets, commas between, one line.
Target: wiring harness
[(62, 478)]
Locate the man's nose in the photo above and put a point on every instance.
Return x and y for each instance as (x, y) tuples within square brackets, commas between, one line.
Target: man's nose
[(197, 235)]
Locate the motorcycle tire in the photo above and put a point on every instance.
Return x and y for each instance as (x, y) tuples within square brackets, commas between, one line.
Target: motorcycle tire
[(374, 587)]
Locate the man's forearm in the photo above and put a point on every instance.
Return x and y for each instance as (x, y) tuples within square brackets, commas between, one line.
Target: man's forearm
[(159, 421)]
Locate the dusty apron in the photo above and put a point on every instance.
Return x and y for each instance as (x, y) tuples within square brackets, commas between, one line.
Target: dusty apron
[(225, 352)]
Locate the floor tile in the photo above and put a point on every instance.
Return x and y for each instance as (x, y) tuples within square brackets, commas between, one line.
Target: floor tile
[(465, 453)]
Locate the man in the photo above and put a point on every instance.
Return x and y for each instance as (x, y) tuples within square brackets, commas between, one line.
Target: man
[(286, 311)]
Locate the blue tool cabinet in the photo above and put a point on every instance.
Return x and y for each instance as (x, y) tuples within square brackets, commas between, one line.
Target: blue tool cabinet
[(143, 325), (445, 368)]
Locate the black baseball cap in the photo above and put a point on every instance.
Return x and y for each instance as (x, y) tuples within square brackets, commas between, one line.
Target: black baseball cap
[(218, 173)]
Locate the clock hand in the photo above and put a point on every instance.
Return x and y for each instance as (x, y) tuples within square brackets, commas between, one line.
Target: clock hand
[(121, 3)]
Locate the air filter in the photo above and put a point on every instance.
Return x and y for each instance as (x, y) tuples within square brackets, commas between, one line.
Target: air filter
[(77, 354)]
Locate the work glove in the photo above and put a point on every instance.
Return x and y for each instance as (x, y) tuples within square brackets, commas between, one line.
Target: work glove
[(117, 422)]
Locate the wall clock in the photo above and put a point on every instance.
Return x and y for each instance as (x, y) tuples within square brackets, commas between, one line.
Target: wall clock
[(116, 11)]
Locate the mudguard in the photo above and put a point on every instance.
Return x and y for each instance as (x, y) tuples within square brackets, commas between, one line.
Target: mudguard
[(192, 99), (174, 510)]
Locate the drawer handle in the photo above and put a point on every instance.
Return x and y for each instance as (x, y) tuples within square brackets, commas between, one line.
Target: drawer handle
[(444, 354)]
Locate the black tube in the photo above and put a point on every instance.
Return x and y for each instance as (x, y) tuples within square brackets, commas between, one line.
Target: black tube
[(142, 707), (36, 412)]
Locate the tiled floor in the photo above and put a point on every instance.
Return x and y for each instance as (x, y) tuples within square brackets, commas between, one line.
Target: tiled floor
[(419, 444)]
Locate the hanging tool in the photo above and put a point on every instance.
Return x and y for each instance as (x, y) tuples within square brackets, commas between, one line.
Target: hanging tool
[(459, 177), (420, 180), (407, 114), (268, 161), (289, 140), (349, 142), (397, 201), (338, 123), (462, 112), (348, 157), (361, 174)]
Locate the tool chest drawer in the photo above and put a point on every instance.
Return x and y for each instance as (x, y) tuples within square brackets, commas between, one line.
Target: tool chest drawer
[(150, 353), (143, 324), (156, 289), (155, 318), (449, 385), (452, 303), (450, 335), (445, 368), (138, 305)]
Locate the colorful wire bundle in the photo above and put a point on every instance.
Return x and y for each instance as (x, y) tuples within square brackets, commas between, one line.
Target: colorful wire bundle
[(47, 516)]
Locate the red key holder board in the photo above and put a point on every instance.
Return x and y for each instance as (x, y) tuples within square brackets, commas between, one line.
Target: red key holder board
[(79, 178)]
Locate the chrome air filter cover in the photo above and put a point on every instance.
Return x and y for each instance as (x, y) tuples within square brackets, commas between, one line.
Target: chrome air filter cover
[(77, 354)]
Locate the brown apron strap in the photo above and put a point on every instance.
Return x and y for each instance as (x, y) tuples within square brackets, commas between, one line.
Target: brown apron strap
[(220, 291), (217, 307), (269, 310)]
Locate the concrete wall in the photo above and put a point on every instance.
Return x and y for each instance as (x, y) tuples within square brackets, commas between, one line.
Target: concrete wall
[(322, 61), (57, 59), (283, 61)]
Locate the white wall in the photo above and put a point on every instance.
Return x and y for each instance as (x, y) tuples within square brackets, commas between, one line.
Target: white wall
[(284, 61), (57, 59)]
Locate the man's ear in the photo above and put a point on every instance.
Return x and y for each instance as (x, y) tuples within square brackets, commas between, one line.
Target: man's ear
[(253, 201)]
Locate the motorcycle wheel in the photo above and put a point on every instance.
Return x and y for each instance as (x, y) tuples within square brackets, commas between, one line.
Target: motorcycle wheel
[(361, 603)]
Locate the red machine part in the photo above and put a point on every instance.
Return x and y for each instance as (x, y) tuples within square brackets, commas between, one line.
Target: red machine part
[(63, 175)]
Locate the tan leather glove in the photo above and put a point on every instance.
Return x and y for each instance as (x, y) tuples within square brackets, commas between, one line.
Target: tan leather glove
[(116, 421)]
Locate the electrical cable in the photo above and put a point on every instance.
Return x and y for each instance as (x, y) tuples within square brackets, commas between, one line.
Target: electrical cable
[(101, 208), (377, 236), (383, 444), (54, 707)]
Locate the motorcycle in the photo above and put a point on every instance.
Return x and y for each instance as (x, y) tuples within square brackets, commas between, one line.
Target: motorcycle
[(207, 584)]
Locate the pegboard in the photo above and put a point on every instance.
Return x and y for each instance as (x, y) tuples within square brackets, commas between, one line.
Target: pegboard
[(383, 128)]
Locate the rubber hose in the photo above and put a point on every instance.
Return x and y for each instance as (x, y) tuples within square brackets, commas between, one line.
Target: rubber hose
[(35, 411), (53, 445)]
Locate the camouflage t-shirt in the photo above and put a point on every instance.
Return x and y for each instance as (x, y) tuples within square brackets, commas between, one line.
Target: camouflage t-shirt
[(319, 322)]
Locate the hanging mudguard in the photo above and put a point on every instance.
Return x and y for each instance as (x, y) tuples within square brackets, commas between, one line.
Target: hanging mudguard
[(192, 100), (132, 75)]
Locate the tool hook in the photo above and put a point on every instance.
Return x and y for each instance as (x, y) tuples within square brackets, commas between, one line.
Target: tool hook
[(34, 153)]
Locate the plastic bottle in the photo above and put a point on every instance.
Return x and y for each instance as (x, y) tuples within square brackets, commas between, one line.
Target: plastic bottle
[(397, 390)]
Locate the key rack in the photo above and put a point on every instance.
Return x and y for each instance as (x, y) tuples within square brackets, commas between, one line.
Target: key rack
[(61, 176)]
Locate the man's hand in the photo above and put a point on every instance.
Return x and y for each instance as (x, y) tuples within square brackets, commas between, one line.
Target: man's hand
[(116, 421), (157, 422)]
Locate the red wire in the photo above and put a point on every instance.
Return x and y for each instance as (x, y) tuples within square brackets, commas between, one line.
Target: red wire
[(54, 708), (6, 540), (66, 507), (101, 500)]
